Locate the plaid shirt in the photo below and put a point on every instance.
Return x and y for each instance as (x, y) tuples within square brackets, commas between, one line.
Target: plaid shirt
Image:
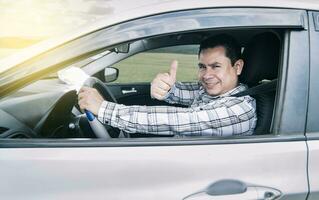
[(206, 115)]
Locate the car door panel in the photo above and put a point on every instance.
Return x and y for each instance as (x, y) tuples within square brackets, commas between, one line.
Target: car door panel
[(150, 172), (313, 164), (134, 94)]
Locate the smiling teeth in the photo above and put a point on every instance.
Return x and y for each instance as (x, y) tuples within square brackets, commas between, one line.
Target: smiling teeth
[(211, 83)]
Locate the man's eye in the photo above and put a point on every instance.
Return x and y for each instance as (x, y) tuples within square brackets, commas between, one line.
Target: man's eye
[(216, 66), (201, 66)]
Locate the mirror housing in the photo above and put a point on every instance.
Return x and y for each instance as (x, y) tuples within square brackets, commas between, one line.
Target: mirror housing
[(123, 48), (110, 74)]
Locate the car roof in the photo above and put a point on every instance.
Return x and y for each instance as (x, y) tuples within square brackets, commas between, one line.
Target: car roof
[(122, 11)]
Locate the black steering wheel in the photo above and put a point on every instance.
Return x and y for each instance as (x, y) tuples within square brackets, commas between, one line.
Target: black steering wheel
[(108, 96), (101, 87)]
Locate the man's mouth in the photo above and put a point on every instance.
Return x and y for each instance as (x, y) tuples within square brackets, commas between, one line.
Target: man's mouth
[(211, 83)]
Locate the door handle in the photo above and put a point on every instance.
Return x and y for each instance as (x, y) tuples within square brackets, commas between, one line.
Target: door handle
[(228, 189), (132, 90)]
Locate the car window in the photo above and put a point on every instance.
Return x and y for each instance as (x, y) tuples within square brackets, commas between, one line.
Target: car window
[(143, 67)]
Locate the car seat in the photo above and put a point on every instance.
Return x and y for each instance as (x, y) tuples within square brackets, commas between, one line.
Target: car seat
[(260, 72)]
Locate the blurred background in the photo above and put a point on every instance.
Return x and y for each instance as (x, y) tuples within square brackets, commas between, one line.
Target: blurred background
[(26, 22)]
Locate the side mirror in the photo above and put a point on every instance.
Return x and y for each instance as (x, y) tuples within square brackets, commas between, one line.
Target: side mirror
[(110, 74), (123, 48)]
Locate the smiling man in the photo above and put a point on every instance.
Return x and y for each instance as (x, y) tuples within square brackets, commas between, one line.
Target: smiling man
[(212, 108)]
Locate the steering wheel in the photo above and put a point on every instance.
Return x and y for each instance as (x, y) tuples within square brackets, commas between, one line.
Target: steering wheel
[(100, 130), (101, 87)]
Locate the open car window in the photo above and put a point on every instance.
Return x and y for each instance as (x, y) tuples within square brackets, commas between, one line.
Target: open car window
[(150, 51), (143, 67)]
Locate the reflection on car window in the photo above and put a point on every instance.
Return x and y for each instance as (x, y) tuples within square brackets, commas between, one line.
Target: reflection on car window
[(143, 67), (81, 63)]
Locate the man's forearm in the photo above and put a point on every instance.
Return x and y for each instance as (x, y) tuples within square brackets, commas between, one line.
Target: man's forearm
[(237, 118)]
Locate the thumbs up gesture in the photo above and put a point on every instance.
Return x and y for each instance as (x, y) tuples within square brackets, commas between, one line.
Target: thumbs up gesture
[(163, 82)]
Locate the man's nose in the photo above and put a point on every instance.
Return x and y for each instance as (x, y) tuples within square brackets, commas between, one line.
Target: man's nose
[(209, 72)]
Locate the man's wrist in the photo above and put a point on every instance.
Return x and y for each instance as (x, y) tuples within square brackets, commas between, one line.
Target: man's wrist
[(170, 91), (104, 112)]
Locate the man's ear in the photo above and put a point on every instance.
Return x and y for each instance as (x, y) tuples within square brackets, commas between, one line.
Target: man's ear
[(239, 64)]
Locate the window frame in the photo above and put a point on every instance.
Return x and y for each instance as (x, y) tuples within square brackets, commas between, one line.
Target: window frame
[(160, 24), (145, 27), (313, 108)]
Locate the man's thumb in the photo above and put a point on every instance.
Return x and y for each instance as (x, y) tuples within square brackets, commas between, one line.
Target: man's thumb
[(173, 69)]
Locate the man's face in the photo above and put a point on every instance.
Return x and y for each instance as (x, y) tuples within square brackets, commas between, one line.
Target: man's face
[(216, 72)]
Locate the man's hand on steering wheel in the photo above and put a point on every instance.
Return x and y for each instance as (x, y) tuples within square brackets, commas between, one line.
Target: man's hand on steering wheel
[(90, 99)]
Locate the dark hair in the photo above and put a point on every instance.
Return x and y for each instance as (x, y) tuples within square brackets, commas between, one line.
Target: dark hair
[(232, 48)]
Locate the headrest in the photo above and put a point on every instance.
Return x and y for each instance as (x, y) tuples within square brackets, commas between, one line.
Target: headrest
[(261, 59)]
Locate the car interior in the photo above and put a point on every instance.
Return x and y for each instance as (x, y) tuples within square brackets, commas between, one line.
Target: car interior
[(261, 57), (54, 113)]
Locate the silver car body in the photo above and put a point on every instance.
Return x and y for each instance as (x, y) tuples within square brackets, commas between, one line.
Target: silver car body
[(283, 165)]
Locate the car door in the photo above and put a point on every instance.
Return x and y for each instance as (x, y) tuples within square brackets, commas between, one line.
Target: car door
[(133, 94), (255, 167), (313, 111)]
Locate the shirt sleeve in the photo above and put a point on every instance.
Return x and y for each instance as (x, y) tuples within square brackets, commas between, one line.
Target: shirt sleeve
[(234, 116), (182, 93)]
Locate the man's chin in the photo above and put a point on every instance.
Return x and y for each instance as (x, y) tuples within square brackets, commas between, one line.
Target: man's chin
[(213, 92)]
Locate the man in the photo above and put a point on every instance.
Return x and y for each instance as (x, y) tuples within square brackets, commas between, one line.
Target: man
[(212, 108)]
